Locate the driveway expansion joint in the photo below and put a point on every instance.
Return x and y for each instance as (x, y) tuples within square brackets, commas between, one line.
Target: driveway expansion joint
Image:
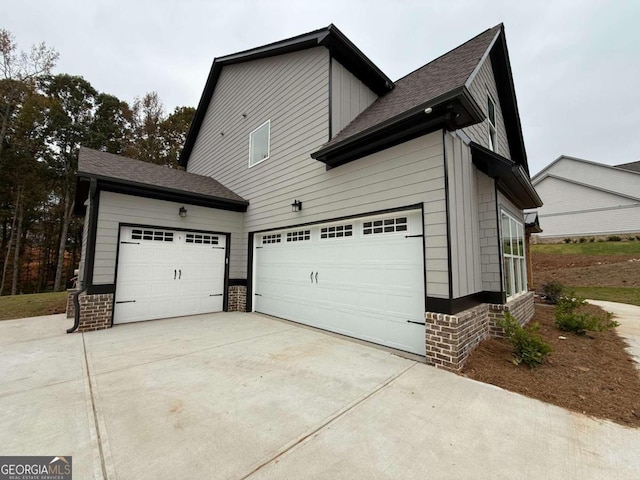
[(331, 419)]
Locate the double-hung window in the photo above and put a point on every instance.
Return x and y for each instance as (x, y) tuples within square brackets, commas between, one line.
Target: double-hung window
[(259, 143), (491, 115), (514, 263)]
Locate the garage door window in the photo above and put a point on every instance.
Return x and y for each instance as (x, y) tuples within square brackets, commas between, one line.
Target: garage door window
[(201, 238), (337, 231), (299, 236), (388, 225), (267, 239), (153, 235)]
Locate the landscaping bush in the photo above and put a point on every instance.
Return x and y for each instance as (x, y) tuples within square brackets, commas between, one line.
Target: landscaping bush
[(569, 319), (614, 238), (567, 240), (552, 292), (529, 348), (592, 239), (582, 240)]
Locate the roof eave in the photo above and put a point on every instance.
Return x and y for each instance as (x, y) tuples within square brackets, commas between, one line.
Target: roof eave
[(153, 191), (512, 178), (453, 110)]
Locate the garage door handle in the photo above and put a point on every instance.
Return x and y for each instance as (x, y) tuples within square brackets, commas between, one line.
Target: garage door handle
[(179, 274), (311, 277), (316, 277), (174, 274)]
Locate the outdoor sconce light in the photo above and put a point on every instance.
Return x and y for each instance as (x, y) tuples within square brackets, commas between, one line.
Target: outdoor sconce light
[(296, 206), (182, 212)]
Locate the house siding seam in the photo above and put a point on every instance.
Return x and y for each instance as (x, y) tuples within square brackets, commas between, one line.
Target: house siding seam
[(349, 97), (116, 208), (485, 82), (83, 248)]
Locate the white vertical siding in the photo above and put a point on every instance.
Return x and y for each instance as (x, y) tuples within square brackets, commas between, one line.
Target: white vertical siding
[(489, 239), (117, 208), (349, 97), (485, 82), (464, 218)]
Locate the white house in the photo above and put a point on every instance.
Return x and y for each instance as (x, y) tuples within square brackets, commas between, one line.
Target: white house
[(320, 191), (585, 198)]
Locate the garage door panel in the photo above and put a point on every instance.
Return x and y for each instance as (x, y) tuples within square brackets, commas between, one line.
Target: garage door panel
[(367, 286), (168, 274)]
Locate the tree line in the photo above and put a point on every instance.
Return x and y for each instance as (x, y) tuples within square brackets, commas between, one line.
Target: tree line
[(44, 118)]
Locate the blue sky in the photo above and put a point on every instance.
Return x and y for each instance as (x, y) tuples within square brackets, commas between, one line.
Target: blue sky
[(576, 64)]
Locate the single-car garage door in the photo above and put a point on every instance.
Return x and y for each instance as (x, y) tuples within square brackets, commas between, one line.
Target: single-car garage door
[(168, 273), (363, 278)]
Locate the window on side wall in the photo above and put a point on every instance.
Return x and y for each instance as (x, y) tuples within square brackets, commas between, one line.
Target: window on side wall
[(259, 143), (513, 256), (491, 115)]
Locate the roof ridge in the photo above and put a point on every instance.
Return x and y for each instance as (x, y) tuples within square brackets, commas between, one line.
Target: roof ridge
[(500, 25)]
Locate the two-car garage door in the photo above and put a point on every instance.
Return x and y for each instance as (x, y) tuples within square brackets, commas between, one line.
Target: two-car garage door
[(168, 273), (363, 278)]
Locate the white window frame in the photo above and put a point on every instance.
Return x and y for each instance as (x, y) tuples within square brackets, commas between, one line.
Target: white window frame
[(492, 130), (268, 124), (514, 265)]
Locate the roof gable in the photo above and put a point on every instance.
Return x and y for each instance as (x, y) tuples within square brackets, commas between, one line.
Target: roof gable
[(330, 37), (434, 96), (542, 173), (631, 166)]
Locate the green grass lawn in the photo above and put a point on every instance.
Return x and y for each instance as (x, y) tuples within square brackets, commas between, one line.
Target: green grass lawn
[(20, 306), (595, 248), (611, 294)]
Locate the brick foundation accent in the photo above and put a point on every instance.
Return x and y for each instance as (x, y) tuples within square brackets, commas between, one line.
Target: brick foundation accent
[(522, 308), (451, 338), (71, 308), (237, 298), (95, 312)]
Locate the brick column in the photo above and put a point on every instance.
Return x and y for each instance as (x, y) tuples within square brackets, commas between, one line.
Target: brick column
[(237, 298), (96, 312)]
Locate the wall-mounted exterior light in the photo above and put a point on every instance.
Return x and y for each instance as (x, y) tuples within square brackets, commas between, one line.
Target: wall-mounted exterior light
[(182, 212), (296, 206)]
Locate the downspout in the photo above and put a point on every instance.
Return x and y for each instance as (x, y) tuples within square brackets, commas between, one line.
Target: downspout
[(86, 279)]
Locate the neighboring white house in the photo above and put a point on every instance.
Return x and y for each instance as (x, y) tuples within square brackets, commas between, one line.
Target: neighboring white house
[(587, 198)]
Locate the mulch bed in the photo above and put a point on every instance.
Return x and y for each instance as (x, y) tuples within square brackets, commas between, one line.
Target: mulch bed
[(590, 374)]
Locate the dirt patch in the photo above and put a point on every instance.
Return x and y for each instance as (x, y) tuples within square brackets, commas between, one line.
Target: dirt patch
[(591, 374), (587, 270)]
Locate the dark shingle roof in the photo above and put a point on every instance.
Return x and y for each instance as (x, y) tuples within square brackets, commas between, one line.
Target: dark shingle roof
[(632, 166), (119, 169), (437, 78)]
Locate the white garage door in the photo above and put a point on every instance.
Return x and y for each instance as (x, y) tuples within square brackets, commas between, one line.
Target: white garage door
[(168, 273), (363, 278)]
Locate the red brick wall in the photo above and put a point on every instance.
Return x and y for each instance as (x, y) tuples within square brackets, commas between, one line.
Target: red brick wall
[(237, 298), (96, 312)]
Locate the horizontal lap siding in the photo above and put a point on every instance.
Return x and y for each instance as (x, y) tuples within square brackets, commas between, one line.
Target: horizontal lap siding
[(116, 208), (349, 97), (464, 221), (485, 82), (292, 90)]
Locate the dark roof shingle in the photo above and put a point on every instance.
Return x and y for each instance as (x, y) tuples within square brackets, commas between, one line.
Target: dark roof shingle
[(435, 79), (102, 165), (631, 166)]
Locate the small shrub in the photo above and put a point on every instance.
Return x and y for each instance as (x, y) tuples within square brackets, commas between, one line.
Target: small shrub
[(592, 239), (529, 348), (569, 319), (631, 238), (552, 291), (567, 240), (614, 238), (637, 237), (601, 240), (582, 240)]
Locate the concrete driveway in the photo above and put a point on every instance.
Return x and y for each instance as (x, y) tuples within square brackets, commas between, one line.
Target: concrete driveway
[(237, 395)]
